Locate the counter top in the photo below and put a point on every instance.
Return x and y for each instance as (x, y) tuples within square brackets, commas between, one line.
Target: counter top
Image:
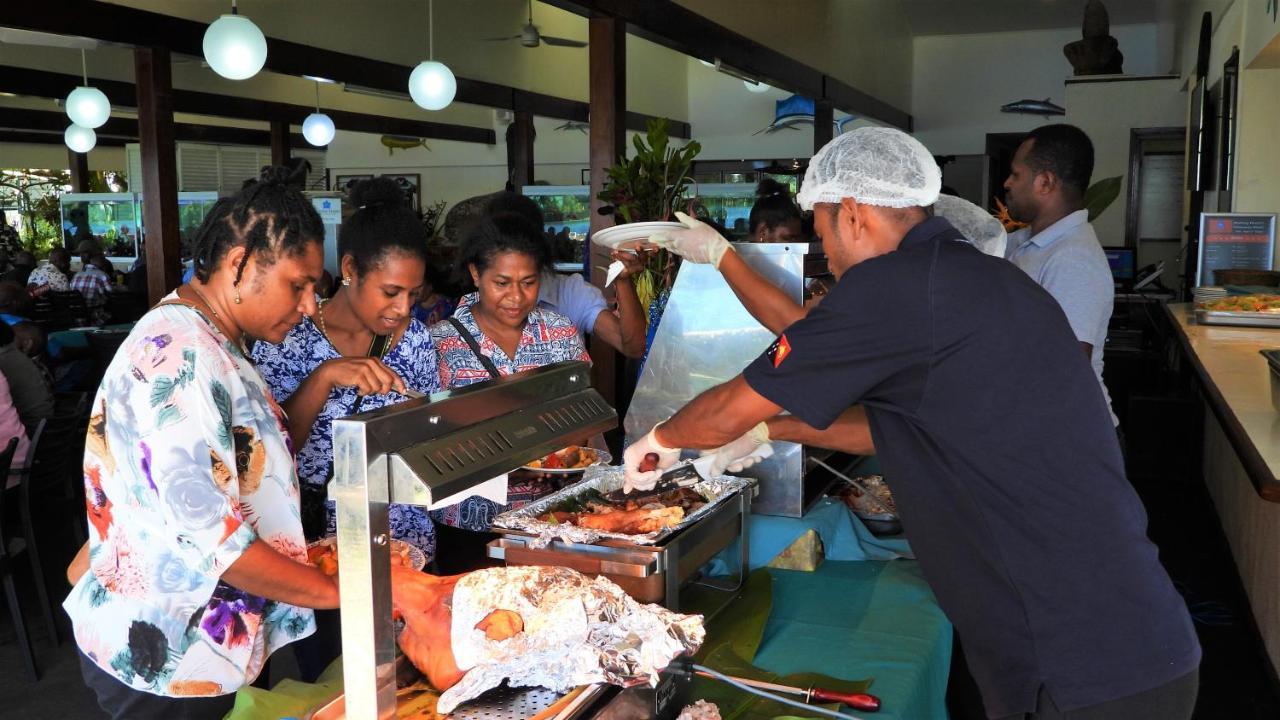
[(1237, 386)]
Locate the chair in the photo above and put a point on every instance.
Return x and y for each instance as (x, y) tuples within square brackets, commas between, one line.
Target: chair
[(125, 307), (102, 348), (70, 309), (77, 405), (49, 467), (10, 549)]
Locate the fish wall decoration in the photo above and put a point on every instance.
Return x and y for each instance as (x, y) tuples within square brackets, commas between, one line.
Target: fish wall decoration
[(1033, 107), (403, 142)]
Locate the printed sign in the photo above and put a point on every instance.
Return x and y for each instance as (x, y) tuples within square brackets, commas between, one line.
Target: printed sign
[(1235, 241)]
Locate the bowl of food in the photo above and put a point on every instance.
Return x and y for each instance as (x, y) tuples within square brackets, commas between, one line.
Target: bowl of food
[(323, 553), (872, 502), (566, 461)]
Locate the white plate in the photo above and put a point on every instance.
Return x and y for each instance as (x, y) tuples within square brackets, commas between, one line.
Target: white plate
[(626, 237), (417, 558), (602, 458)]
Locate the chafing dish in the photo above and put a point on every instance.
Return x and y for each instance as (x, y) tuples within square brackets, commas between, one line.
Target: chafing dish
[(707, 337), (420, 452), (652, 568), (1244, 319)]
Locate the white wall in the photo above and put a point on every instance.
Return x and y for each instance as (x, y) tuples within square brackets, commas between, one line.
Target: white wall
[(959, 82), (1106, 111), (54, 157)]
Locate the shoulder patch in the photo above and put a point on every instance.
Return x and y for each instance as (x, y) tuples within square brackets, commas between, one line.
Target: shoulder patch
[(779, 350)]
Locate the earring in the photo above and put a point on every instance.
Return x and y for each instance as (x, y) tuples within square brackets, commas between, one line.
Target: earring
[(236, 299), (346, 281)]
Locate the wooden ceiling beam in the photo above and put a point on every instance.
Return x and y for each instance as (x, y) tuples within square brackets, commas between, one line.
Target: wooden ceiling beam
[(126, 129), (672, 26), (141, 28), (42, 83)]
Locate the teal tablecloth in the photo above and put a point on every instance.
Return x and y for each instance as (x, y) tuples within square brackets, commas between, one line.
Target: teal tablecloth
[(78, 337), (856, 620)]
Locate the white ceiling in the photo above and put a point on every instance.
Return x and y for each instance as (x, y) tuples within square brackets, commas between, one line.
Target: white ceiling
[(965, 17)]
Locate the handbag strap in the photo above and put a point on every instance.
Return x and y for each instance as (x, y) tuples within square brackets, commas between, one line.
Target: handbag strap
[(475, 347)]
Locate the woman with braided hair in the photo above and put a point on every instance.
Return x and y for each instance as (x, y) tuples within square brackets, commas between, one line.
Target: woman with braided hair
[(196, 567)]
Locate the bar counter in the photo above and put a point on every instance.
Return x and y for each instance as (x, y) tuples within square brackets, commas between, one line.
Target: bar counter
[(1241, 453)]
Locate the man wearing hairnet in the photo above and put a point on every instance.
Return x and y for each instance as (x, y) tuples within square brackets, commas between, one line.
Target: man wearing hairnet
[(987, 420)]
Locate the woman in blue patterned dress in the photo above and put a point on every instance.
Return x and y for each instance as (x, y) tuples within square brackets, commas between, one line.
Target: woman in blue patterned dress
[(358, 352), (505, 257)]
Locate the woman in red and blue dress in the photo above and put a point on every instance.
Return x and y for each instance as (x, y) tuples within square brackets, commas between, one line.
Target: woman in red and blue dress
[(505, 257)]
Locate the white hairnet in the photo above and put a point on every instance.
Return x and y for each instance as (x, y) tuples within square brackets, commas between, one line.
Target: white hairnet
[(875, 166), (976, 224)]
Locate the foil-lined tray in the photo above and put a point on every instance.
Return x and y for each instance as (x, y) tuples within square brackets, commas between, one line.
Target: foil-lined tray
[(606, 480), (1239, 318)]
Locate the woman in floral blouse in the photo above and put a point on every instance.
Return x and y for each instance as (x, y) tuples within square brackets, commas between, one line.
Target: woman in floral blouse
[(504, 257), (328, 368), (197, 567)]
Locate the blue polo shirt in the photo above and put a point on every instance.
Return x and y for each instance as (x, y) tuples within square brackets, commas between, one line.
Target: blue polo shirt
[(573, 297), (1005, 467)]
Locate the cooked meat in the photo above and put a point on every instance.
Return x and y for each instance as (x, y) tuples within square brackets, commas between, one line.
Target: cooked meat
[(632, 522)]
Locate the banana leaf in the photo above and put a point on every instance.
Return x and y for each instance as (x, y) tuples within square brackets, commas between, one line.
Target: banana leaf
[(1101, 194)]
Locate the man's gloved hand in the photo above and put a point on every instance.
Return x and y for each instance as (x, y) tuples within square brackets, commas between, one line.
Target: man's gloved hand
[(736, 455), (697, 242), (642, 474)]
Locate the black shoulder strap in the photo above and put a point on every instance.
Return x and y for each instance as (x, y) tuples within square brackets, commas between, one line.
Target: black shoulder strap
[(378, 348), (475, 347)]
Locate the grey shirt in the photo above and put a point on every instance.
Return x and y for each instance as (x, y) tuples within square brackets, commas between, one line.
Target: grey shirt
[(1066, 259), (32, 396)]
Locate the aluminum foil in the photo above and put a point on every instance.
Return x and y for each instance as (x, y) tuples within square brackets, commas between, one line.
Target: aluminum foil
[(606, 479), (577, 630)]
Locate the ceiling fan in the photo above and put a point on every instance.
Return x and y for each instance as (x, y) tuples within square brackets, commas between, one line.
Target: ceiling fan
[(531, 38)]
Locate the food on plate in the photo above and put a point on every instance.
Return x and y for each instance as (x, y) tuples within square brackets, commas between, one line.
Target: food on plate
[(878, 502), (570, 458), (636, 516), (1244, 303), (324, 555), (547, 626), (649, 463)]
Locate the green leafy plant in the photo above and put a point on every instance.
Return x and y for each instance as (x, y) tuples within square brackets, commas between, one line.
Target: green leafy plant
[(650, 186), (1101, 194)]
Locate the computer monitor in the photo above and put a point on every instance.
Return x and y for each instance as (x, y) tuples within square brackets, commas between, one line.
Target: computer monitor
[(1123, 262)]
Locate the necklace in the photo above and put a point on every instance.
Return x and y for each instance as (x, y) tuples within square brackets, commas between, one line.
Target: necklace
[(320, 314), (204, 300), (238, 343)]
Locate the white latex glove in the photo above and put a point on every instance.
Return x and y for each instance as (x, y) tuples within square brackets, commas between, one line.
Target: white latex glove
[(633, 478), (697, 242), (737, 455)]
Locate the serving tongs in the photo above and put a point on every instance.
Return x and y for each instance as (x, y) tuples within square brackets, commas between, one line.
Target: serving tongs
[(683, 475)]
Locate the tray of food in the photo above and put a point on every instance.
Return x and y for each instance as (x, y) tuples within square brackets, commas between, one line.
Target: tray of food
[(323, 553), (1245, 310), (573, 459), (583, 513)]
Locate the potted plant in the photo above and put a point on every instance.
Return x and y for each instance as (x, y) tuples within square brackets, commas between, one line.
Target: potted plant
[(647, 187)]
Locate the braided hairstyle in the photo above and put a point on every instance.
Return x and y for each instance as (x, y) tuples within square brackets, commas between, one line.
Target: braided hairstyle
[(773, 207), (266, 217), (492, 236), (383, 222)]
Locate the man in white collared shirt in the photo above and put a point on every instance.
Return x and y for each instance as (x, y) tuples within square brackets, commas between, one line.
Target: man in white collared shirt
[(1059, 249)]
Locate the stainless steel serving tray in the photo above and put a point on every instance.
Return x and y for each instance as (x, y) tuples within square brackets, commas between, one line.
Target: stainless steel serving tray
[(1243, 319), (607, 479)]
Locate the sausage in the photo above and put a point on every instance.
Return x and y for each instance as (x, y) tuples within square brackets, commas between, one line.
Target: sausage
[(649, 463)]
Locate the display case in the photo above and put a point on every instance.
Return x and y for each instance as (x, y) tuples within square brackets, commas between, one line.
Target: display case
[(728, 204), (113, 220), (566, 212)]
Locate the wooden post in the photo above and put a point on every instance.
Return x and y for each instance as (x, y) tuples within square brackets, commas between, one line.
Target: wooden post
[(79, 164), (608, 78), (823, 123), (159, 170), (280, 142), (520, 137)]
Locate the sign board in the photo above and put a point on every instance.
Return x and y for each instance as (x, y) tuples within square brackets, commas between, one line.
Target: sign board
[(1235, 241)]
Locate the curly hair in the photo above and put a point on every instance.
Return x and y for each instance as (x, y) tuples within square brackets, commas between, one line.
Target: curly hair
[(501, 233), (382, 222)]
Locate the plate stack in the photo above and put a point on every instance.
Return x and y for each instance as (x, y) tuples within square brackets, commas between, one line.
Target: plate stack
[(1208, 294)]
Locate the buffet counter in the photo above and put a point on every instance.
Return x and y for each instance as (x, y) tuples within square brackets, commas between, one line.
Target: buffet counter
[(1241, 453)]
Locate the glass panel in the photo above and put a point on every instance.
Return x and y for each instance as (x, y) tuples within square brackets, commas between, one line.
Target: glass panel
[(566, 210)]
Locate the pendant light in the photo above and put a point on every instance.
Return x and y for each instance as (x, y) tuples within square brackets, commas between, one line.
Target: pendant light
[(234, 47), (318, 128), (80, 139), (87, 106), (432, 84)]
